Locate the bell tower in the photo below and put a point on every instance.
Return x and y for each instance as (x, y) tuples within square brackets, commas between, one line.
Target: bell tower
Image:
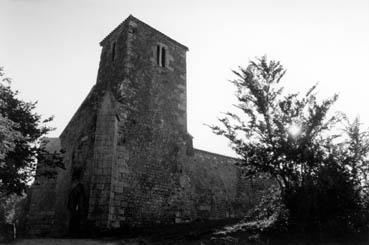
[(141, 127), (136, 55)]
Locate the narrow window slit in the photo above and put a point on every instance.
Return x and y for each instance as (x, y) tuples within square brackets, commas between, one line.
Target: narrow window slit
[(163, 56), (158, 55), (113, 52)]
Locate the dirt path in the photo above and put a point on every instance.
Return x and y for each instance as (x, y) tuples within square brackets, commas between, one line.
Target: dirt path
[(76, 242)]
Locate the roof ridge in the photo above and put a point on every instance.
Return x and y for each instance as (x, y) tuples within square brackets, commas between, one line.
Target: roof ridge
[(217, 154), (131, 17), (116, 28), (171, 39)]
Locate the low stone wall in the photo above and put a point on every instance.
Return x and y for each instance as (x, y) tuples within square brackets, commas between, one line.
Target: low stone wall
[(219, 190)]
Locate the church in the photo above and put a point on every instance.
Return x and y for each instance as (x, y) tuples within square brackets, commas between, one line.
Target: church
[(129, 160)]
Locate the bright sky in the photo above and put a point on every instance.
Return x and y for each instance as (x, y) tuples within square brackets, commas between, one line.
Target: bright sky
[(50, 48)]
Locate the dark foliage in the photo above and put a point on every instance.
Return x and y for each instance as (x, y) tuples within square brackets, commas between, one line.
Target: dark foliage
[(332, 205)]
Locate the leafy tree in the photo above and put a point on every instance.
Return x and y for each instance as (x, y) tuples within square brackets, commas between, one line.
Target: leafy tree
[(282, 135), (291, 137), (20, 132), (355, 153), (8, 136)]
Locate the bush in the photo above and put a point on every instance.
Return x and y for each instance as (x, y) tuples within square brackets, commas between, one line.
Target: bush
[(333, 204)]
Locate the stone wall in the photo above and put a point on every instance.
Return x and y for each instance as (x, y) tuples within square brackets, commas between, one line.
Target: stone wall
[(129, 148), (214, 179), (219, 189)]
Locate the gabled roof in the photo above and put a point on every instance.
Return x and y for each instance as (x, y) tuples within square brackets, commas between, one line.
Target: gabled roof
[(131, 17)]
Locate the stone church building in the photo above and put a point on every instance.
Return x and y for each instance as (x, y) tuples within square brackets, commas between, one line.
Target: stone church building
[(129, 159)]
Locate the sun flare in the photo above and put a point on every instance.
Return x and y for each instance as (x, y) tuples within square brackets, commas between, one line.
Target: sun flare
[(294, 130)]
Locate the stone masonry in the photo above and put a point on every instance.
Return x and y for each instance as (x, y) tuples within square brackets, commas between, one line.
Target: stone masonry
[(128, 156)]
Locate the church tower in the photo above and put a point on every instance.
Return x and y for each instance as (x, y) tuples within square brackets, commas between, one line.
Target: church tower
[(141, 125), (128, 158)]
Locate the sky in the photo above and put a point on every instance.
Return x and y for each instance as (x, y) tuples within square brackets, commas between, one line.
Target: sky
[(50, 48)]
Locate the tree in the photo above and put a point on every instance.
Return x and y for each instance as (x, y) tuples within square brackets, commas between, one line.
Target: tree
[(291, 137), (8, 136), (282, 135), (20, 132), (355, 153)]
